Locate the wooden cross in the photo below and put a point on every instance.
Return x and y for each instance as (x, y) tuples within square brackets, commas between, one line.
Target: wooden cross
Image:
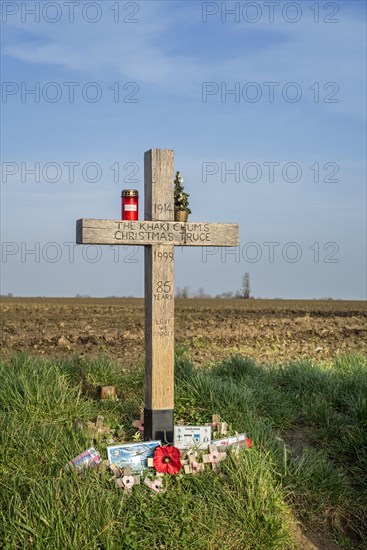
[(159, 234)]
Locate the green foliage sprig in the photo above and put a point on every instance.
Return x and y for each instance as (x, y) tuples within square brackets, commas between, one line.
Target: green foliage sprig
[(180, 196)]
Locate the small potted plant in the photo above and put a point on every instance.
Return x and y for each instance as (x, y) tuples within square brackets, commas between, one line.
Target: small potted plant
[(181, 198)]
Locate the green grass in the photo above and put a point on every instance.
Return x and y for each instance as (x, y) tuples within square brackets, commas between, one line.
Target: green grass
[(309, 427)]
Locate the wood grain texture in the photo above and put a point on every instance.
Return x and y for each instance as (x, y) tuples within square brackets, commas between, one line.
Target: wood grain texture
[(158, 184), (159, 329), (92, 231), (159, 284)]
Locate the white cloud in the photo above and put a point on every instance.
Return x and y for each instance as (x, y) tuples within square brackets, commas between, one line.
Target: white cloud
[(304, 52)]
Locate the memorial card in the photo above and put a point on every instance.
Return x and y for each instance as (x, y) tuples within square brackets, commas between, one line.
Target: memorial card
[(134, 455), (186, 437)]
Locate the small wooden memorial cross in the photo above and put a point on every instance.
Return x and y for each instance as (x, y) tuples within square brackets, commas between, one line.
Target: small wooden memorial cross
[(159, 234)]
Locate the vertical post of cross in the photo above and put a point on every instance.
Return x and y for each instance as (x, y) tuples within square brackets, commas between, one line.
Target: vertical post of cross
[(159, 299)]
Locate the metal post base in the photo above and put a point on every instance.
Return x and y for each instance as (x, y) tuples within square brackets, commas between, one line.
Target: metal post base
[(158, 424)]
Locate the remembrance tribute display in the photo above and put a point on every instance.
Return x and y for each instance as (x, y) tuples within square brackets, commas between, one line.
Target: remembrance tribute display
[(159, 234)]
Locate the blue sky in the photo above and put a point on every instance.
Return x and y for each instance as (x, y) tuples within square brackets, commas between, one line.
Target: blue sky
[(172, 63)]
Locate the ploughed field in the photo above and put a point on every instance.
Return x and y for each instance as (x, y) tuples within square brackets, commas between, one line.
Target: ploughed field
[(211, 329)]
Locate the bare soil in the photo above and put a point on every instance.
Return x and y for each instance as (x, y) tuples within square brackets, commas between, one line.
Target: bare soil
[(211, 329)]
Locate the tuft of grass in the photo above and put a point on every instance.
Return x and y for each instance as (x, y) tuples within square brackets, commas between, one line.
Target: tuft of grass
[(326, 474), (247, 505)]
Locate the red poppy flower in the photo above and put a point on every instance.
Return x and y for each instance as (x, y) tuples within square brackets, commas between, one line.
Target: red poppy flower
[(248, 442), (167, 460)]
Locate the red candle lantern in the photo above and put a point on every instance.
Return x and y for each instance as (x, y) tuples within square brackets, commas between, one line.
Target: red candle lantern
[(129, 204)]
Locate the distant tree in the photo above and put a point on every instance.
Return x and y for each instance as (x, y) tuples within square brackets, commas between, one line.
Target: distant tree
[(186, 292), (202, 294), (182, 292), (246, 286)]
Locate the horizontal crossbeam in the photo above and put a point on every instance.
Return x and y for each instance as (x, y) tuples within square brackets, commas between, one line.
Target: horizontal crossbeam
[(91, 231)]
